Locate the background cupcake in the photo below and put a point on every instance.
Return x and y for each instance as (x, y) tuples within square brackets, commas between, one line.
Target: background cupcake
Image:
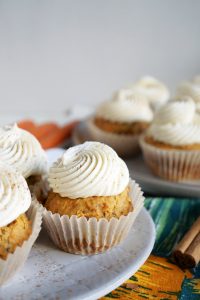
[(190, 89), (155, 91), (21, 150), (18, 230), (120, 121), (171, 146), (92, 204)]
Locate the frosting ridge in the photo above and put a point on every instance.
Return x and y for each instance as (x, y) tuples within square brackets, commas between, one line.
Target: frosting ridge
[(190, 89), (176, 123), (15, 197), (126, 106), (89, 169), (20, 149), (155, 91)]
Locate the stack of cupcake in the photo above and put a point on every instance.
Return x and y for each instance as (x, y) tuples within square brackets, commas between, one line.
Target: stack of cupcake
[(23, 162)]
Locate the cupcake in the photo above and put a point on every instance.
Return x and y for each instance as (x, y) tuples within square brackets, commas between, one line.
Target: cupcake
[(155, 91), (171, 146), (92, 202), (190, 89), (21, 150), (120, 121), (18, 228)]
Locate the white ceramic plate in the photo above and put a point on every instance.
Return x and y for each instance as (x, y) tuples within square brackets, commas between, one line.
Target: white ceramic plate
[(52, 274), (140, 172)]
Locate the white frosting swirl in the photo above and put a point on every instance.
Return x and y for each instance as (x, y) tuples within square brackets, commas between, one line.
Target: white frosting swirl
[(176, 123), (90, 169), (178, 111), (20, 149), (126, 106), (15, 197), (155, 91), (190, 89)]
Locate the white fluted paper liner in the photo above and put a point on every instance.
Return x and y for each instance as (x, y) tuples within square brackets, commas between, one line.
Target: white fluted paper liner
[(91, 236), (174, 165), (124, 144), (16, 260)]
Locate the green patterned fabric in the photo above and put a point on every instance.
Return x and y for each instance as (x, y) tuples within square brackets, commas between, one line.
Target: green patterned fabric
[(173, 217), (160, 277)]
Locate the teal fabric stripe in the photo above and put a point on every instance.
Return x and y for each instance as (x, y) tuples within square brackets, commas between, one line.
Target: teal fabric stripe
[(172, 218)]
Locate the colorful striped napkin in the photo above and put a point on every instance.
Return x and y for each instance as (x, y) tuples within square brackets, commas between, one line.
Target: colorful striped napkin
[(159, 277)]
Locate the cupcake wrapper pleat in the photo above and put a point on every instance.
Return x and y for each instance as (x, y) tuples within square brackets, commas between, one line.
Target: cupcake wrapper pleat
[(174, 165), (123, 144), (16, 260), (91, 236)]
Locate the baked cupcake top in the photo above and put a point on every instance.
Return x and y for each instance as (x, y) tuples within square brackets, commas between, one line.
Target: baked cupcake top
[(155, 91), (15, 197), (190, 89), (20, 149), (176, 123), (89, 169), (126, 106)]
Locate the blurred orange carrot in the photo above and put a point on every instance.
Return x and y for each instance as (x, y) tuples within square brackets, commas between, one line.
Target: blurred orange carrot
[(28, 125), (57, 136), (45, 129)]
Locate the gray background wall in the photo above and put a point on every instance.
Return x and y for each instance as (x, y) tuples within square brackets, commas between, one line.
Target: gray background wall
[(56, 53)]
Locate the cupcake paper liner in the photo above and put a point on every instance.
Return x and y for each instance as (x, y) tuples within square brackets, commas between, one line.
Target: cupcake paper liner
[(174, 165), (91, 236), (123, 144), (16, 260)]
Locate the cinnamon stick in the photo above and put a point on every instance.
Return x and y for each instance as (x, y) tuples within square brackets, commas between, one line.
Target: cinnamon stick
[(187, 252), (192, 255)]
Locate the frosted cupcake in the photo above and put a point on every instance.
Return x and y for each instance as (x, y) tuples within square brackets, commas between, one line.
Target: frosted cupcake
[(92, 202), (18, 228), (190, 89), (120, 121), (21, 150), (171, 146), (155, 91)]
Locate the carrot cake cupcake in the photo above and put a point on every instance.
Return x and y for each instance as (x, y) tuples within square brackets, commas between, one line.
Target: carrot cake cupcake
[(21, 150), (155, 91), (17, 231), (91, 194), (120, 121), (171, 146)]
